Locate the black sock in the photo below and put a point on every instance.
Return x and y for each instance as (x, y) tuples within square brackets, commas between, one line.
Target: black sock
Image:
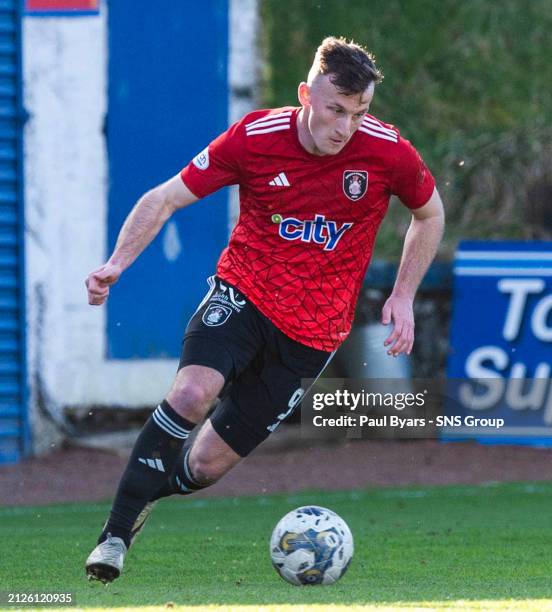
[(181, 481), (151, 462)]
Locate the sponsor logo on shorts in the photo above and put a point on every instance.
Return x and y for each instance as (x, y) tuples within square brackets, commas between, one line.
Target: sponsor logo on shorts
[(216, 315), (229, 297), (201, 160), (316, 230)]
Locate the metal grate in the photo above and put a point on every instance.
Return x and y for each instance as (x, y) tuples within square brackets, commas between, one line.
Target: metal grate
[(14, 432)]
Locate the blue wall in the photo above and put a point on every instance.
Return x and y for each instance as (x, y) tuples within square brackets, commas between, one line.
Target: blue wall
[(167, 100)]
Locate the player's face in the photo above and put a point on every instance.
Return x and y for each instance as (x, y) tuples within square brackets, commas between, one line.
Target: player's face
[(329, 118)]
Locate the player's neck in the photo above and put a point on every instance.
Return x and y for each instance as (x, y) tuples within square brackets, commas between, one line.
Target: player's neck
[(304, 135)]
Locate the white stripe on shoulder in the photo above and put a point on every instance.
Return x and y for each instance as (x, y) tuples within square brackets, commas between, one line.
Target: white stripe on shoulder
[(275, 128), (378, 127), (268, 117), (378, 134), (268, 123), (375, 121)]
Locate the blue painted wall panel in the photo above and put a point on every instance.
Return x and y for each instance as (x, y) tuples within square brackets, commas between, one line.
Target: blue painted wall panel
[(167, 100)]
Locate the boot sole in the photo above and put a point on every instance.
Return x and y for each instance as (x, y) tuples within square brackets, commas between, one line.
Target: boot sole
[(102, 572)]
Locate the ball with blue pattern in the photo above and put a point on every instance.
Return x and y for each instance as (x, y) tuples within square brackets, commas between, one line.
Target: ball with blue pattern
[(311, 545)]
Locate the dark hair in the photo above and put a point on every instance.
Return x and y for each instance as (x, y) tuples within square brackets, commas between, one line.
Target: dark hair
[(351, 68)]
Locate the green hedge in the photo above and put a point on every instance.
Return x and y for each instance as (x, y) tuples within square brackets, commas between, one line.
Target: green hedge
[(469, 82)]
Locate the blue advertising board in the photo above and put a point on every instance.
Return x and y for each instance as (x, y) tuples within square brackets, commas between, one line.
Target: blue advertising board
[(501, 340)]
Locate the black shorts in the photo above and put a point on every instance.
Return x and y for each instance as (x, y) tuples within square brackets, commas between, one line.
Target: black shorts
[(262, 367)]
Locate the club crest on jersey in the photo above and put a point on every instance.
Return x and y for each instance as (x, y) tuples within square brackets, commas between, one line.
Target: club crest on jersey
[(216, 315), (355, 184), (316, 230)]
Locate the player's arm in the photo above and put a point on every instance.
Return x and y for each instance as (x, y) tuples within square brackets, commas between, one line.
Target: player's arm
[(141, 226), (420, 246)]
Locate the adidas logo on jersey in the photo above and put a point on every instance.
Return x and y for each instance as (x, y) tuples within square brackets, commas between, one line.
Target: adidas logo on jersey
[(280, 181), (317, 230)]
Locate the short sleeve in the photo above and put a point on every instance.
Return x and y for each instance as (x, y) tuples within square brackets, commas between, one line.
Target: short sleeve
[(217, 165), (412, 181)]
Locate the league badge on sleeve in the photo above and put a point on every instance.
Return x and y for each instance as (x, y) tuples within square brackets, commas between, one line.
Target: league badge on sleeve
[(201, 160), (355, 184)]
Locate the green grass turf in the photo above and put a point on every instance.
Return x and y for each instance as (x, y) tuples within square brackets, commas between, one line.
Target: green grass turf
[(484, 546)]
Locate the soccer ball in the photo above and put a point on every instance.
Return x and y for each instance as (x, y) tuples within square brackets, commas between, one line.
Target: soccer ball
[(311, 545)]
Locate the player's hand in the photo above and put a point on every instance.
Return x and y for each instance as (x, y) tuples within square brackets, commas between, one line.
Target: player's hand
[(399, 311), (99, 281)]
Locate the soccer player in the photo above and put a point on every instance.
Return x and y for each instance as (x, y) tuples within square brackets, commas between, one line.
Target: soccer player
[(315, 183)]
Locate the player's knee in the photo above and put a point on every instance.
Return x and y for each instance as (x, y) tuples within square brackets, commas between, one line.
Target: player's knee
[(190, 399), (206, 469)]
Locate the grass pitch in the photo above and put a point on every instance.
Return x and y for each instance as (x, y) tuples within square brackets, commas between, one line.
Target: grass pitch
[(468, 548)]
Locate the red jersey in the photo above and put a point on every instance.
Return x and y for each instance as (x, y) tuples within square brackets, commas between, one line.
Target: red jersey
[(307, 223)]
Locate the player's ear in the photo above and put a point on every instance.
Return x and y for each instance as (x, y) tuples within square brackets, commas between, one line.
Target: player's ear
[(303, 93)]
